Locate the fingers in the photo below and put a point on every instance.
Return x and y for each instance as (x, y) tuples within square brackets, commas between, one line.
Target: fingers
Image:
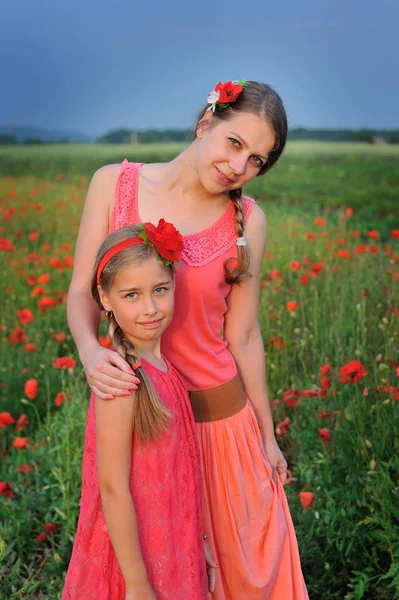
[(121, 364), (211, 579)]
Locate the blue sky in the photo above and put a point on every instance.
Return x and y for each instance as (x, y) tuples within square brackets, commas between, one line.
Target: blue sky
[(89, 66)]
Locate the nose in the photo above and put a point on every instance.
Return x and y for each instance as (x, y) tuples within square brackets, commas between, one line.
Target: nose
[(150, 305), (238, 164)]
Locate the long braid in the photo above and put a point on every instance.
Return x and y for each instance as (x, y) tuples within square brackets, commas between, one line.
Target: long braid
[(151, 417), (238, 272)]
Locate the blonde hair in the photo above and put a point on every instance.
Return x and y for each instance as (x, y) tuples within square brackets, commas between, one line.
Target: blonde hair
[(151, 417)]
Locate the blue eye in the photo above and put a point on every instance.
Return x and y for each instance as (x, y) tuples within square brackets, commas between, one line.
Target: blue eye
[(160, 290), (257, 161), (234, 142), (132, 295)]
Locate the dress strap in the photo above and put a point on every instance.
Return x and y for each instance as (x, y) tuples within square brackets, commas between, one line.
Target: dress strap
[(125, 200)]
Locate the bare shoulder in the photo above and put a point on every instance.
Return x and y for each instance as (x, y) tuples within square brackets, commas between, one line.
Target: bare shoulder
[(106, 175), (255, 227)]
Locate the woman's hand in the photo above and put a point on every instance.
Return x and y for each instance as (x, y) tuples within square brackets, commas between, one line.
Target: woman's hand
[(107, 373), (211, 567), (277, 460)]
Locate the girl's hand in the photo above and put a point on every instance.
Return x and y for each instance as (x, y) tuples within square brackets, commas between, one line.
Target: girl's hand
[(277, 460), (211, 567), (107, 373)]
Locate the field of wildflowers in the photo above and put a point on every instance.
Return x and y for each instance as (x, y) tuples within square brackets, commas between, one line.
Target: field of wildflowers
[(329, 310)]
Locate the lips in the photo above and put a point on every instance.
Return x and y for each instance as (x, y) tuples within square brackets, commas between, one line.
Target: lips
[(150, 324), (223, 178)]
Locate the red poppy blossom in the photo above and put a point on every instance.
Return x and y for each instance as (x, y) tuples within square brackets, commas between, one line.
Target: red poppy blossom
[(348, 212), (292, 305), (44, 278), (228, 91), (38, 291), (6, 419), (282, 428), (373, 234), (352, 372), (59, 337), (304, 279), (397, 371), (59, 399), (291, 397), (6, 245), (324, 370), (274, 274), (25, 468), (319, 221), (45, 303), (30, 347), (355, 233), (31, 387), (306, 499), (17, 336), (22, 422), (167, 240), (311, 236), (316, 268), (324, 433), (6, 490), (276, 342), (344, 253), (20, 442), (325, 383), (25, 316), (52, 527), (64, 362), (42, 537), (295, 265)]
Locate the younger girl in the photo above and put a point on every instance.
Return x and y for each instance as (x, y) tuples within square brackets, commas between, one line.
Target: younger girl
[(139, 534)]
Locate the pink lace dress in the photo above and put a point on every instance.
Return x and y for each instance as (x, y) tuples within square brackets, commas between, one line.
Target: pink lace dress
[(165, 486)]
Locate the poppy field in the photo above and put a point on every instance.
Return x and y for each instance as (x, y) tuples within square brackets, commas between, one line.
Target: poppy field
[(329, 313)]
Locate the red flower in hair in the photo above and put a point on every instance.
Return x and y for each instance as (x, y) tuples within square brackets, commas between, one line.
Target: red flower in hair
[(228, 91), (168, 242)]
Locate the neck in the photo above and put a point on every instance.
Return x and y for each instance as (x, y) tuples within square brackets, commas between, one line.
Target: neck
[(150, 350)]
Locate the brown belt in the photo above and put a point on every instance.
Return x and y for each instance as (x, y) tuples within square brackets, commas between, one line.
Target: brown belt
[(219, 402)]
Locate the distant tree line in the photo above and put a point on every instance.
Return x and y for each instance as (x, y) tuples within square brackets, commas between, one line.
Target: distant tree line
[(149, 136)]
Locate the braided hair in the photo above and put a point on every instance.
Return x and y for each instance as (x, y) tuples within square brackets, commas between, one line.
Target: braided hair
[(151, 417), (262, 100)]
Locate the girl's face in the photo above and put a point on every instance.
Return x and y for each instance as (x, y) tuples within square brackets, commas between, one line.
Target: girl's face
[(142, 300), (230, 153)]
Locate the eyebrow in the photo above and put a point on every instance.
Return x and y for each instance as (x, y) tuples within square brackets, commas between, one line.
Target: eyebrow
[(135, 289), (246, 145)]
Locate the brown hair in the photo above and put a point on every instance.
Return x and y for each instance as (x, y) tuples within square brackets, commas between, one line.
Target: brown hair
[(262, 100), (150, 415)]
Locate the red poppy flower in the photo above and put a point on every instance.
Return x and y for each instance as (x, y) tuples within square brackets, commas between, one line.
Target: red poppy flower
[(319, 221), (306, 499), (325, 383), (6, 245), (45, 303), (316, 268), (52, 527), (311, 236), (276, 342), (17, 336), (42, 537), (30, 347), (324, 433), (44, 278), (38, 291), (25, 468), (167, 240), (324, 370), (105, 341), (6, 419), (304, 279), (59, 399), (355, 233), (274, 274), (68, 261), (20, 443), (344, 253), (59, 337), (25, 316), (31, 387), (373, 234), (352, 372), (292, 305), (33, 236), (228, 91), (291, 397), (373, 249), (6, 490), (282, 428), (64, 362), (295, 265), (397, 372), (395, 234), (22, 422), (348, 212)]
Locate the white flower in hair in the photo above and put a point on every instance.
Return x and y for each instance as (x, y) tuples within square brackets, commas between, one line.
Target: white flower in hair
[(213, 98)]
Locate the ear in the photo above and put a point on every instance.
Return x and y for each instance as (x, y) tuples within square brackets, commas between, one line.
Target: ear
[(204, 123), (104, 298)]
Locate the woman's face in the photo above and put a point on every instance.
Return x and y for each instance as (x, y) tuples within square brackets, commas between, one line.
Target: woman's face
[(230, 153)]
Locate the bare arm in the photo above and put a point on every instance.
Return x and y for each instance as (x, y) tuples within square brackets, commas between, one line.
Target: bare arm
[(83, 313), (114, 433), (244, 337)]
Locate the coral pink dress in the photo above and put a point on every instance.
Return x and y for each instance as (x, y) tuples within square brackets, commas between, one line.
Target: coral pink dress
[(246, 514), (165, 485)]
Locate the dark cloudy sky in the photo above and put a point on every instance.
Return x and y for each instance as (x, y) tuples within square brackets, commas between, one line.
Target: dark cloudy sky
[(90, 66)]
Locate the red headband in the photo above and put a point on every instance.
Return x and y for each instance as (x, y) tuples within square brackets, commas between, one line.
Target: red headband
[(114, 250)]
